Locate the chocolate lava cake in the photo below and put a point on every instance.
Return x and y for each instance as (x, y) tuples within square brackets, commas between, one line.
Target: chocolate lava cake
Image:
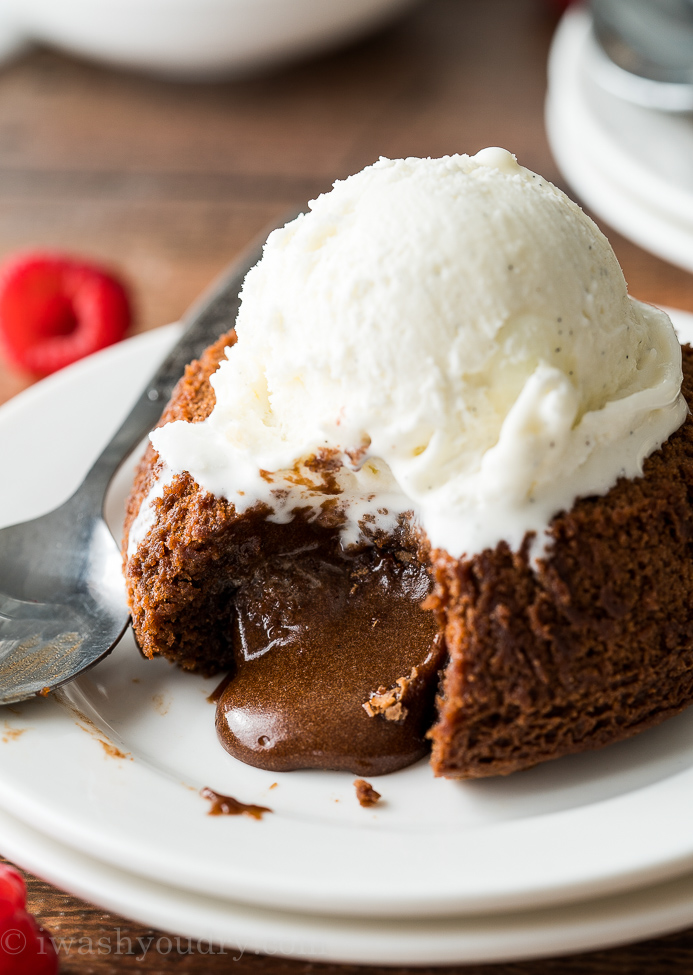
[(382, 650)]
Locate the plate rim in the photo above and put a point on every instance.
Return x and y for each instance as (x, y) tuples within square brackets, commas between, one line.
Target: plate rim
[(589, 926)]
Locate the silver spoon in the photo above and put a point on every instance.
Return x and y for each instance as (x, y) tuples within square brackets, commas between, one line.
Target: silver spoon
[(645, 51), (62, 598)]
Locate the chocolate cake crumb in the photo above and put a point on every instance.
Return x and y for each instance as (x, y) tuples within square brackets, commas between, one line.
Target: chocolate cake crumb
[(228, 806), (390, 702), (365, 793)]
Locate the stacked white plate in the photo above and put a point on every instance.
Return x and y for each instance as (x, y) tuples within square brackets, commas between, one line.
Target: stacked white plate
[(632, 166), (100, 783)]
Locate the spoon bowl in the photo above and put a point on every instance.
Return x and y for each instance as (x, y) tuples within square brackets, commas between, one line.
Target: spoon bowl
[(63, 611)]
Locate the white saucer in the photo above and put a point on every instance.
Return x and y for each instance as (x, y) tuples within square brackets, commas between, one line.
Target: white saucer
[(630, 165), (123, 754), (579, 927)]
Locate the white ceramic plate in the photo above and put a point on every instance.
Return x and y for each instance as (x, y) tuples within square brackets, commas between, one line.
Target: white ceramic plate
[(204, 919), (584, 826), (630, 165)]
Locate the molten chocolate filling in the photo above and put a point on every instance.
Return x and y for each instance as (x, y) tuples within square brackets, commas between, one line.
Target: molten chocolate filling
[(336, 662)]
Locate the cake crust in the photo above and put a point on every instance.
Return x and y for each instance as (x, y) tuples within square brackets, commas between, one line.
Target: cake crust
[(169, 582)]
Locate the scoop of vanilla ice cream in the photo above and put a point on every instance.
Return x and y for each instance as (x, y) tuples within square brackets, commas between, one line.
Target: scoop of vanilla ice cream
[(459, 334)]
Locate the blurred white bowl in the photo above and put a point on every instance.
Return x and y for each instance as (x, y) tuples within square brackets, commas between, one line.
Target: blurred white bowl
[(193, 38)]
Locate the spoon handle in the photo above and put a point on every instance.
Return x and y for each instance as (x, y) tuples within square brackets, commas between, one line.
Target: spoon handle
[(214, 313)]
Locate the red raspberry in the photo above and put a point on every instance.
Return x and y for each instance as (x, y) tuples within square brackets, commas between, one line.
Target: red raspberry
[(55, 310), (25, 948)]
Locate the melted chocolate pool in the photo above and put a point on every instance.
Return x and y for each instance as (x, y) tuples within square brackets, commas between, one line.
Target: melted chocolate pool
[(318, 635)]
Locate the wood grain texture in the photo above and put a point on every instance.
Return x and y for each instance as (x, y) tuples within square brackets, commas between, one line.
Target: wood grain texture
[(91, 942), (167, 182)]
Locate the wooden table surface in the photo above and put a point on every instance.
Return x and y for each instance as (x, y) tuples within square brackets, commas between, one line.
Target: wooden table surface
[(168, 181)]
